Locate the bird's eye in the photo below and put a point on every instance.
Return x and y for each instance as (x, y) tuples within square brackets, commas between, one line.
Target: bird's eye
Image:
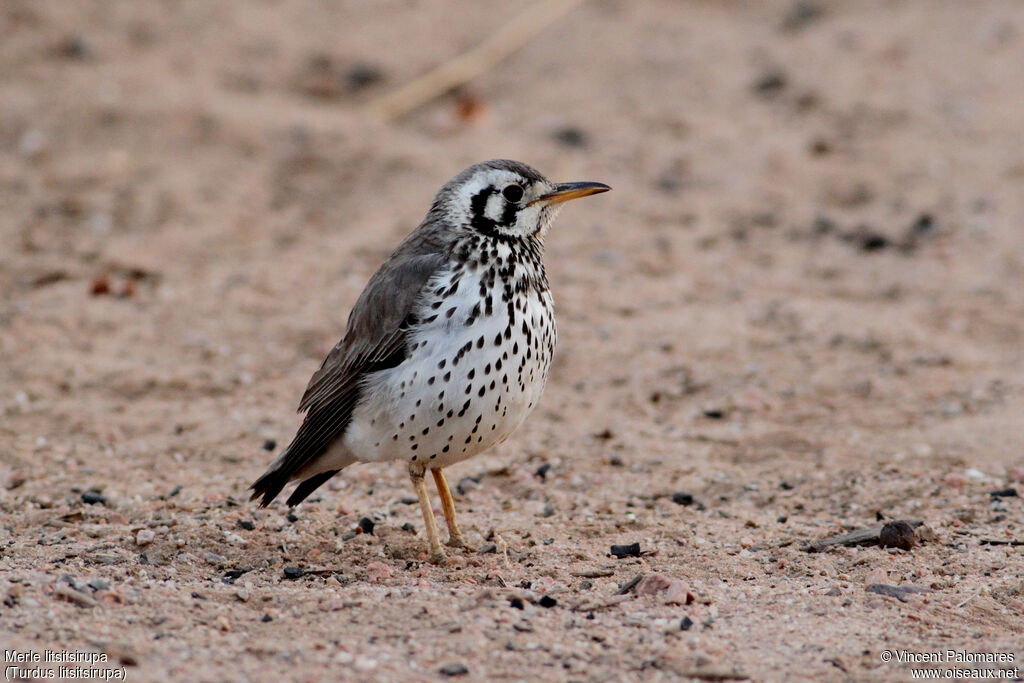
[(513, 193)]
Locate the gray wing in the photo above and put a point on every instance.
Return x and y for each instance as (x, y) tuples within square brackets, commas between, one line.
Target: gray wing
[(375, 339)]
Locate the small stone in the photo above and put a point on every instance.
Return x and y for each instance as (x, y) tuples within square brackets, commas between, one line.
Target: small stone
[(832, 592), (377, 572), (292, 573), (267, 618), (548, 511), (246, 524), (547, 601), (488, 549), (99, 584), (631, 550), (467, 484), (898, 534), (686, 624), (93, 498), (516, 603), (366, 525), (145, 537), (1004, 493), (454, 669), (269, 445), (411, 529), (543, 470), (292, 517), (770, 84), (568, 136), (682, 498), (363, 75)]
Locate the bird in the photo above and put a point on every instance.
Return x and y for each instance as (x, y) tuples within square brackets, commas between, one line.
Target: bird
[(447, 349)]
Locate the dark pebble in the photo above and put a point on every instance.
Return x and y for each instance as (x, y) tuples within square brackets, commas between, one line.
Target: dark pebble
[(246, 524), (782, 519), (361, 76), (269, 445), (879, 517), (786, 486), (73, 47), (266, 618), (408, 500), (770, 83), (686, 624), (489, 548), (682, 498), (1004, 493), (548, 541), (175, 491), (547, 601), (586, 585), (349, 536), (292, 517), (616, 461), (543, 470), (234, 573), (99, 584), (411, 529), (525, 584), (93, 498), (714, 414), (898, 534), (293, 573), (366, 524), (833, 592), (631, 550), (516, 603), (456, 669), (868, 240), (800, 15), (569, 136)]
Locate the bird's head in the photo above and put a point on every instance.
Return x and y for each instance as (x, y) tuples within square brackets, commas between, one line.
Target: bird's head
[(506, 200)]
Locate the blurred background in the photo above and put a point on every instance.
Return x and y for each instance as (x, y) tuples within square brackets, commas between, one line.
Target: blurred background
[(810, 271)]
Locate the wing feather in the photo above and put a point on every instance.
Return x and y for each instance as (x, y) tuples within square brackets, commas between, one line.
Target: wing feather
[(375, 339)]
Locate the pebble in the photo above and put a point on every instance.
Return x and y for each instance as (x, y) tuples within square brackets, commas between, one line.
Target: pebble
[(269, 445), (516, 603), (246, 524), (293, 573), (682, 498), (93, 498), (1004, 493), (378, 571), (547, 601), (543, 470), (630, 550), (454, 669), (686, 624), (898, 534), (366, 525), (145, 537)]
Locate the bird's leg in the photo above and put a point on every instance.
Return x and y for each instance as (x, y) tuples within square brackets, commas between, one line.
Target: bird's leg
[(448, 505), (433, 537)]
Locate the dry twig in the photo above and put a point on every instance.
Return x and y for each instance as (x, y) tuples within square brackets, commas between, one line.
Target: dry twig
[(469, 65)]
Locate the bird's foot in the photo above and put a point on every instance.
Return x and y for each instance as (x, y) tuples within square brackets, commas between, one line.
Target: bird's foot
[(457, 541), (438, 557)]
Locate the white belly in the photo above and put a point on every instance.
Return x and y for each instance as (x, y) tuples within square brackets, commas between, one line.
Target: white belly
[(468, 382)]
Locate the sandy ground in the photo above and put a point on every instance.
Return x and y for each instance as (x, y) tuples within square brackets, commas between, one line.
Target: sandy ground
[(802, 305)]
